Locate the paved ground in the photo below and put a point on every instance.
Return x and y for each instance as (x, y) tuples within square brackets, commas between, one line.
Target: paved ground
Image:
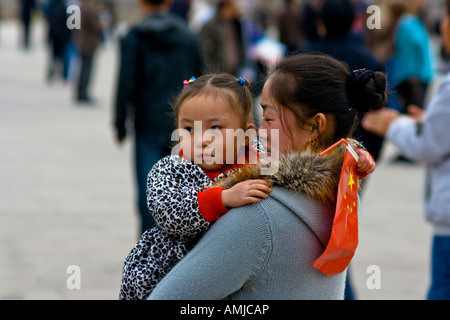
[(67, 193)]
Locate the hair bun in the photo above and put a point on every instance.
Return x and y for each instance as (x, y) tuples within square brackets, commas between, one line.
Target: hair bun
[(366, 90)]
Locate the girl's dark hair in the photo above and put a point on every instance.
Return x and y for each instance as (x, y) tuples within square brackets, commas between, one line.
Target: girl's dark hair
[(308, 84), (222, 86)]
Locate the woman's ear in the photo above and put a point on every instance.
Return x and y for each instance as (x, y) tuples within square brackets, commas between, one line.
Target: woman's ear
[(320, 123)]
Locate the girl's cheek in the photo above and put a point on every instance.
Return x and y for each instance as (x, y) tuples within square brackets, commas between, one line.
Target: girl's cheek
[(188, 148)]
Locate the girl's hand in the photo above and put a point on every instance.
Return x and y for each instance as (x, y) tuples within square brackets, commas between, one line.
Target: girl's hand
[(366, 163), (245, 192)]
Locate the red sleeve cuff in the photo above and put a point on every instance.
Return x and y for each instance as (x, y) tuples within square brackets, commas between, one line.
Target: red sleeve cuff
[(210, 204)]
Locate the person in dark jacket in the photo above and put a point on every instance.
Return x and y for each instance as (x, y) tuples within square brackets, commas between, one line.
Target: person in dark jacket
[(157, 55), (222, 39), (58, 38), (27, 8), (87, 40)]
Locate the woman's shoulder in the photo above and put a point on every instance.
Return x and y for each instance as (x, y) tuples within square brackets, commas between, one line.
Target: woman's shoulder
[(248, 218), (282, 214), (282, 205)]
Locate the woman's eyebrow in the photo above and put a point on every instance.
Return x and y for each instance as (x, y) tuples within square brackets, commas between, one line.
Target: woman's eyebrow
[(267, 106)]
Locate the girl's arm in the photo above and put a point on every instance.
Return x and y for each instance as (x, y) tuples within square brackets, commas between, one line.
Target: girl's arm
[(172, 187)]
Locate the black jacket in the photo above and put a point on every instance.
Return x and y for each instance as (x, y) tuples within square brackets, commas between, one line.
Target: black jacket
[(156, 56), (56, 16)]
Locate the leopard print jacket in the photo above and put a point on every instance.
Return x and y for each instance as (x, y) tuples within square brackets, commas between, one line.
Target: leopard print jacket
[(172, 187)]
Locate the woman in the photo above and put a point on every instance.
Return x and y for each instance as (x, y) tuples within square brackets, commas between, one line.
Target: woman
[(264, 250), (425, 138)]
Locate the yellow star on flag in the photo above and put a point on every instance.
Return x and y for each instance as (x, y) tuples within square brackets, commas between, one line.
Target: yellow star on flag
[(351, 182)]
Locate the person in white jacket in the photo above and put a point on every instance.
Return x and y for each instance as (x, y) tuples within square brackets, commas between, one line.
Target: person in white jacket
[(425, 137)]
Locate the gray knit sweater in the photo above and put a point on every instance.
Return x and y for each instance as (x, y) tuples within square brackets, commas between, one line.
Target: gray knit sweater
[(263, 251)]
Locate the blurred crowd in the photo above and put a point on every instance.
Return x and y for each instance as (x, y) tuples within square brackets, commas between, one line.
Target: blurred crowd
[(246, 36)]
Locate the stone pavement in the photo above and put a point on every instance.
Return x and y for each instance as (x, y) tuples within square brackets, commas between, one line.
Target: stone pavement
[(67, 192)]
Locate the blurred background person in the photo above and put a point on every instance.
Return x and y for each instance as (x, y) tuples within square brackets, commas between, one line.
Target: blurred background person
[(423, 136), (310, 16), (87, 40), (381, 42), (414, 55), (156, 56), (108, 19), (181, 8), (58, 39), (412, 66), (290, 25), (223, 40), (27, 8), (72, 53)]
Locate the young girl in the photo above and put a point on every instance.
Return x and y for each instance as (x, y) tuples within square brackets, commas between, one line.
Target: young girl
[(177, 193), (177, 190)]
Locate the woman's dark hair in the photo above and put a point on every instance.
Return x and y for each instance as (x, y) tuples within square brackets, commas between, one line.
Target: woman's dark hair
[(222, 86), (308, 84)]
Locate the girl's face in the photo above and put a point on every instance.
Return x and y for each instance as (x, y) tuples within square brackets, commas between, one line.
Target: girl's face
[(291, 137), (207, 145)]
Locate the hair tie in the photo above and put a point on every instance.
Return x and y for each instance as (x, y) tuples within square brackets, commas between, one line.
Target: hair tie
[(186, 82), (361, 76), (242, 80), (357, 85)]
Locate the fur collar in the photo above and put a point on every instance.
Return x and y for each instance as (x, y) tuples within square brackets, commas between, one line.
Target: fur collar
[(306, 172)]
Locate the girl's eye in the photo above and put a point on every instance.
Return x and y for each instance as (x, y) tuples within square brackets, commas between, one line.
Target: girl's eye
[(216, 127), (189, 129), (267, 119)]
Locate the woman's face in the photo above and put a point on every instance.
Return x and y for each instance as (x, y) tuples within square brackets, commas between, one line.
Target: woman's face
[(291, 136)]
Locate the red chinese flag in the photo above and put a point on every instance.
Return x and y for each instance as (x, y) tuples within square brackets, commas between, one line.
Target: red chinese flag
[(344, 234)]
